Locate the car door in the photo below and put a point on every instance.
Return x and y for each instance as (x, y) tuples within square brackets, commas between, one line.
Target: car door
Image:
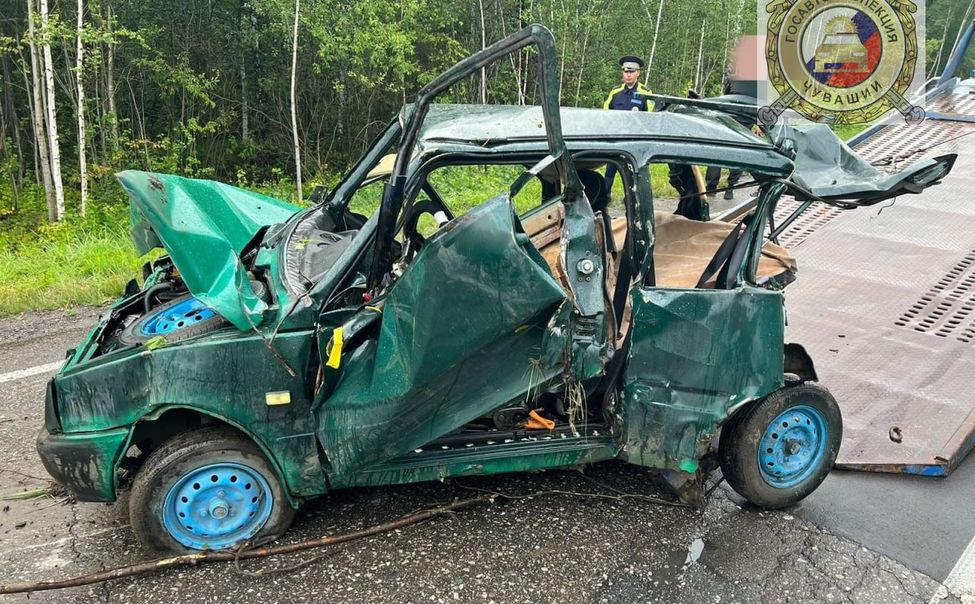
[(475, 321)]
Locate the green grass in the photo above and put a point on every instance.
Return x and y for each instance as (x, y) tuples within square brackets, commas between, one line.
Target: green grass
[(83, 267), (82, 260), (846, 132)]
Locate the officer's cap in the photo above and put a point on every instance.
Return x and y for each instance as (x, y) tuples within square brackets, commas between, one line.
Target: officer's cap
[(631, 63)]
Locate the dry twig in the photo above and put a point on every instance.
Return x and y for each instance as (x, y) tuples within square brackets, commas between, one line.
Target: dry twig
[(230, 556)]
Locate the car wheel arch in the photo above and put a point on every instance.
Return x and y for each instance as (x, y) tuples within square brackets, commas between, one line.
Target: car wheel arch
[(799, 363), (162, 423)]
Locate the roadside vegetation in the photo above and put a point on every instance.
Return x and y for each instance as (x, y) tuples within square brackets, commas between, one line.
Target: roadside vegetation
[(203, 90)]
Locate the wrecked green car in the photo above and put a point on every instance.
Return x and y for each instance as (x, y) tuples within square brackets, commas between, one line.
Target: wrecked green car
[(278, 353)]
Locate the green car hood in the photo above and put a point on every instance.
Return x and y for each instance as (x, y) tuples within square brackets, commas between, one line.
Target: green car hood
[(204, 225)]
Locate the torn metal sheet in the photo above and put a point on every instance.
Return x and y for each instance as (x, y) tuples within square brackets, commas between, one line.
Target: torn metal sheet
[(827, 169)]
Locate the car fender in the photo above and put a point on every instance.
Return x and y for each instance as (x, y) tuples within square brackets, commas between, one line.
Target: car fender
[(267, 450)]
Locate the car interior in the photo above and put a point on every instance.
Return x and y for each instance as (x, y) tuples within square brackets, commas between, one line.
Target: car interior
[(683, 248)]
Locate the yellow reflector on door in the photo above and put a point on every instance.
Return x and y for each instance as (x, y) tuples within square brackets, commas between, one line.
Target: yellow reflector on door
[(335, 353)]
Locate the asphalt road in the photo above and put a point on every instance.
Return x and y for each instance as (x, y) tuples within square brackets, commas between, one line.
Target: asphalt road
[(858, 539)]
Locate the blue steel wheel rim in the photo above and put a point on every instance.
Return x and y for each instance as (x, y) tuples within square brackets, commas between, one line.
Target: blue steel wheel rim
[(793, 446), (217, 506), (173, 318)]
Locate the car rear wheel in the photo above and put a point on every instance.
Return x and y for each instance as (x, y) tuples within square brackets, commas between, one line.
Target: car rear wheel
[(207, 489), (780, 449)]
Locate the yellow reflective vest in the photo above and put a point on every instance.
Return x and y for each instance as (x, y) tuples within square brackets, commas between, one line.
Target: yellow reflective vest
[(622, 98)]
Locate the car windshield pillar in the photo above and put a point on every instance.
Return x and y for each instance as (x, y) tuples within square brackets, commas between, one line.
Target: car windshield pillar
[(340, 197), (394, 193)]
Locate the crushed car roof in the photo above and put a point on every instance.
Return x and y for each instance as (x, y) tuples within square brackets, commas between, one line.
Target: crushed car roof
[(486, 124)]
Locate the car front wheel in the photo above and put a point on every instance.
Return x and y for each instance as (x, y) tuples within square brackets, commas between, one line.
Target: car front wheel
[(207, 489), (777, 451)]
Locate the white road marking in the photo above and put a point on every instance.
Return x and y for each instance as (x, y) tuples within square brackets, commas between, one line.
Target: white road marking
[(960, 582), (961, 579), (62, 541), (23, 373)]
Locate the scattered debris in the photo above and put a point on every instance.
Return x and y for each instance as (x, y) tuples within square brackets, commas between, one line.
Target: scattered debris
[(694, 552)]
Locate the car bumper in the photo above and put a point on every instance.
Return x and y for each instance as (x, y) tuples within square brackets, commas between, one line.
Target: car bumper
[(84, 462)]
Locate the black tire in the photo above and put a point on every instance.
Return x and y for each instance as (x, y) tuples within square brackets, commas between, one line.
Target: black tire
[(182, 458), (134, 335), (773, 472)]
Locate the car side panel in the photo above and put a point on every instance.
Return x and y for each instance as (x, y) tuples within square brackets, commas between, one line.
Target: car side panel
[(694, 355)]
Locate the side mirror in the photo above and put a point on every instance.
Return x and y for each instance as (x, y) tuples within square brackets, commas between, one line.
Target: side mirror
[(318, 194)]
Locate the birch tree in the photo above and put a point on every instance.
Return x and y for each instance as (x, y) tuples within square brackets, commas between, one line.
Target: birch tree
[(110, 76), (483, 93), (700, 54), (52, 124), (653, 44), (82, 131), (37, 116), (294, 103)]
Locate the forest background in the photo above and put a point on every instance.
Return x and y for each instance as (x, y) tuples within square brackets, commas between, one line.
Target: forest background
[(228, 89)]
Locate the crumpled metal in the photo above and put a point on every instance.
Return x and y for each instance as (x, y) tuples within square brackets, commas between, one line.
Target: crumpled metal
[(204, 225)]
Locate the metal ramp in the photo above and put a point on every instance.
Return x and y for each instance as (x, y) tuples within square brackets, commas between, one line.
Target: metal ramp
[(885, 302)]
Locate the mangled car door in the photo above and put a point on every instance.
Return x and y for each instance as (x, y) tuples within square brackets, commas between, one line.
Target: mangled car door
[(475, 321), (463, 331)]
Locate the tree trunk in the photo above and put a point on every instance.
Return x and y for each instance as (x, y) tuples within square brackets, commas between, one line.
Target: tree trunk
[(99, 145), (565, 40), (243, 100), (110, 77), (294, 108), (41, 139), (4, 109), (14, 119), (33, 121), (700, 55), (653, 44), (483, 92), (582, 59), (516, 68), (82, 131), (52, 120)]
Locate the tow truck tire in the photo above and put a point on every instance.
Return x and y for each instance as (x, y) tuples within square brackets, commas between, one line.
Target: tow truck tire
[(208, 489), (779, 449)]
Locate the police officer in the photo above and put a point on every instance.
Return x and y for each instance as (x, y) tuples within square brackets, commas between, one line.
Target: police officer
[(631, 95)]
